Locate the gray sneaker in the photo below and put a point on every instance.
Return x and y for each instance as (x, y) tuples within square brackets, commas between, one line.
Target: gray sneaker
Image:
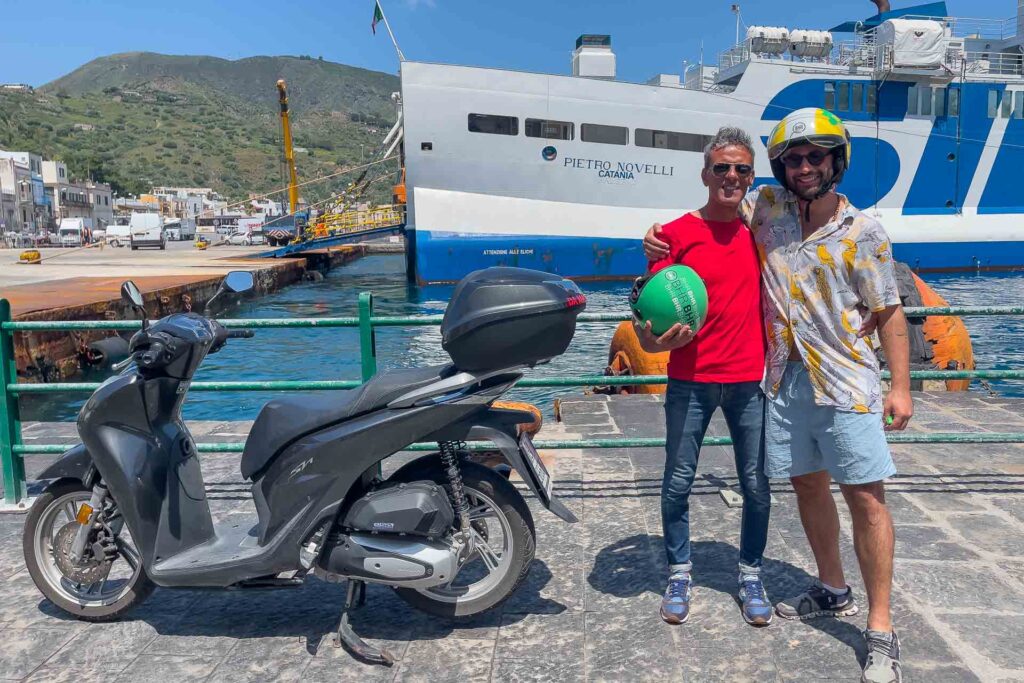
[(818, 601), (883, 662)]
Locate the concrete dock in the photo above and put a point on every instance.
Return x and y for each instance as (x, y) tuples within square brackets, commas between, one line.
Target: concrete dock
[(85, 284), (588, 610)]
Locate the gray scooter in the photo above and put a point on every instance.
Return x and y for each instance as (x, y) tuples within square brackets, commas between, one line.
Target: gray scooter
[(126, 509)]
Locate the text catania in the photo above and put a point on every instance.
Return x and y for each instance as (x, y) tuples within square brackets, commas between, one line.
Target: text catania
[(625, 170)]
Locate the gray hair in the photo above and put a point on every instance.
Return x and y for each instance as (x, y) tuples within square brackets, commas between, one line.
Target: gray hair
[(725, 137)]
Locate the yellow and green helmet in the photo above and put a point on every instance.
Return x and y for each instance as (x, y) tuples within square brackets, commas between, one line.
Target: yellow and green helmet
[(814, 126)]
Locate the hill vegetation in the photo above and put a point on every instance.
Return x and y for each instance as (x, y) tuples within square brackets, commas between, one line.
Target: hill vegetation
[(142, 119)]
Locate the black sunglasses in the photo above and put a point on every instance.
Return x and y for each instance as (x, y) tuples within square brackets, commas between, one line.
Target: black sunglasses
[(741, 169), (814, 158)]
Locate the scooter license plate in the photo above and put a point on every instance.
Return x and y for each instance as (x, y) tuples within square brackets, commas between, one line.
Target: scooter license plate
[(533, 461)]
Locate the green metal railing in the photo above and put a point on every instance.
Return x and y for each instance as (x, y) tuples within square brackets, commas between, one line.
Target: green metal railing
[(13, 450)]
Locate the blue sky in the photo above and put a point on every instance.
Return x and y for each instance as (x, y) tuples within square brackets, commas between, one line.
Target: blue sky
[(41, 42)]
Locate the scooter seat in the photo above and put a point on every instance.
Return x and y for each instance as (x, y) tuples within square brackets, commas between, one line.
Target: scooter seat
[(284, 420)]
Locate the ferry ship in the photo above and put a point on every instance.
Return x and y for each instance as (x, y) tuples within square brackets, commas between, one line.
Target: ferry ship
[(565, 173)]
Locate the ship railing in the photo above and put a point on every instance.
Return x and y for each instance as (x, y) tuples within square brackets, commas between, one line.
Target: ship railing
[(735, 55), (13, 449), (970, 27), (353, 220), (989, 63)]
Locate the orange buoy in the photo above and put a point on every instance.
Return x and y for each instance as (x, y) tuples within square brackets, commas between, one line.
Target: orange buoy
[(626, 357), (948, 336)]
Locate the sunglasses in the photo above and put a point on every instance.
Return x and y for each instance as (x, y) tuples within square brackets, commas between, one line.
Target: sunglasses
[(814, 158), (720, 170)]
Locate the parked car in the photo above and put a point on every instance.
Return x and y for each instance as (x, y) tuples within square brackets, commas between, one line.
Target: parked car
[(118, 235), (246, 238)]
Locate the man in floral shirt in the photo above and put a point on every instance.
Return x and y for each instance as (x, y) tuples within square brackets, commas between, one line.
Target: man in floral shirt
[(826, 267)]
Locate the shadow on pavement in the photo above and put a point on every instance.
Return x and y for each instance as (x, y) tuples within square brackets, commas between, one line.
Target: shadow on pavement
[(626, 569)]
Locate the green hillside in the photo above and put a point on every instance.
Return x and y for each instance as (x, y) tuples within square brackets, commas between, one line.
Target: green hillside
[(140, 119)]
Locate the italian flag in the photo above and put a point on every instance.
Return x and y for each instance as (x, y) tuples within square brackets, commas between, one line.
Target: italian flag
[(378, 16)]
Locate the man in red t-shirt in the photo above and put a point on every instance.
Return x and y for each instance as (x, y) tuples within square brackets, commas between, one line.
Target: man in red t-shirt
[(721, 366)]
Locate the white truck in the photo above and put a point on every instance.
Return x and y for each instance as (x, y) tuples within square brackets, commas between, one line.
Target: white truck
[(73, 232), (147, 230)]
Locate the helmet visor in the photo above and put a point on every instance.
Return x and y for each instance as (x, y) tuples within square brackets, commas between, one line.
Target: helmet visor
[(825, 141)]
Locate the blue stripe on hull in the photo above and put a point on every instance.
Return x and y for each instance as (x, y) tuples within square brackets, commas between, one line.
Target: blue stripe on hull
[(446, 257), (961, 255)]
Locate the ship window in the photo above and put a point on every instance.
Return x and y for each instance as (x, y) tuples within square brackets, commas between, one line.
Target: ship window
[(608, 135), (494, 124), (552, 130), (940, 101), (857, 96), (1018, 104), (954, 101), (872, 98), (925, 101), (844, 97), (912, 96), (830, 95), (993, 103), (1007, 107), (665, 139)]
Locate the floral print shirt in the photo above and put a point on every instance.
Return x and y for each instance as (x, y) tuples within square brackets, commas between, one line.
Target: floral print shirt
[(817, 293)]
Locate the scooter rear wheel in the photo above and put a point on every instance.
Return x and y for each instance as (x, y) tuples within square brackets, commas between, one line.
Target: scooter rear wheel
[(93, 594), (504, 532)]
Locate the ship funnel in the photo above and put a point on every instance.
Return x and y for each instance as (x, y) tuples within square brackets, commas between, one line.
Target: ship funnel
[(593, 57)]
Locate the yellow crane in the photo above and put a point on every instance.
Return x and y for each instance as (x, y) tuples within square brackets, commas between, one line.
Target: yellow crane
[(289, 151)]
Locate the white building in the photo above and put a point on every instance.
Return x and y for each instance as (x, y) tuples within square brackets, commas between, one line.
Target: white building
[(17, 213)]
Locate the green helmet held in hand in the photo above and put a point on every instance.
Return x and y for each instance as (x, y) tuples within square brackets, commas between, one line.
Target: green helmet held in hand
[(675, 294)]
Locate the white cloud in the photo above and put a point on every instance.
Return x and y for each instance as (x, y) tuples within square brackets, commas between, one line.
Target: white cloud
[(413, 4)]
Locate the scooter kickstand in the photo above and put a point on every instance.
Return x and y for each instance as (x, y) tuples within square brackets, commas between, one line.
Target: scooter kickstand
[(357, 647)]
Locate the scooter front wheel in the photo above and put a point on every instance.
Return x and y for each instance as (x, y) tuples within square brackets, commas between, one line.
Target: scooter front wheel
[(504, 540), (95, 589)]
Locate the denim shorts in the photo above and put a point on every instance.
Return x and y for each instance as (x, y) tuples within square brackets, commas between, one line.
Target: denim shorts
[(802, 437)]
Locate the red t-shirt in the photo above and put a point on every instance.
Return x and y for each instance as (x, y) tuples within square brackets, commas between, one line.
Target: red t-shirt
[(730, 347)]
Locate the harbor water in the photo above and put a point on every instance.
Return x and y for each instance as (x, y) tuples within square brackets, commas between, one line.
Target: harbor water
[(333, 353)]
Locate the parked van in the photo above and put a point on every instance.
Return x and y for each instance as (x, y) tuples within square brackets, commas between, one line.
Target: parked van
[(147, 230), (73, 231)]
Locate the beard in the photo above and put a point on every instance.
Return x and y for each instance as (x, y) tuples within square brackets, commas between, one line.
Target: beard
[(811, 193)]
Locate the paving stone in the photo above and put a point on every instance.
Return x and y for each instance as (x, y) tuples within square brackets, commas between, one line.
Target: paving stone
[(620, 648), (990, 532), (998, 637), (24, 650), (456, 660), (168, 667), (932, 584), (276, 669), (107, 647), (939, 674), (540, 648), (930, 543)]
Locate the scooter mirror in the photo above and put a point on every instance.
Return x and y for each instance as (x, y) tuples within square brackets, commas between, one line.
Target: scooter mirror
[(238, 281), (130, 293)]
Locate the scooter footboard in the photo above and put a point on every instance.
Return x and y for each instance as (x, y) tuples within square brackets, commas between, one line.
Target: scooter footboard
[(499, 426)]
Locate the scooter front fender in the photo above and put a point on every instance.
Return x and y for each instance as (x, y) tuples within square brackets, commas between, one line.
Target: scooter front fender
[(74, 463)]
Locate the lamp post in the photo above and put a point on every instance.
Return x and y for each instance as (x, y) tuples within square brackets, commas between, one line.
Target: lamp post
[(736, 10)]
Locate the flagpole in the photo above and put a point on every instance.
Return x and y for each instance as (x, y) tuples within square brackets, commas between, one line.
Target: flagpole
[(394, 42)]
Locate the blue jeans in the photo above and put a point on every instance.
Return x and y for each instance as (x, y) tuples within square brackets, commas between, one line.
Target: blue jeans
[(688, 410)]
